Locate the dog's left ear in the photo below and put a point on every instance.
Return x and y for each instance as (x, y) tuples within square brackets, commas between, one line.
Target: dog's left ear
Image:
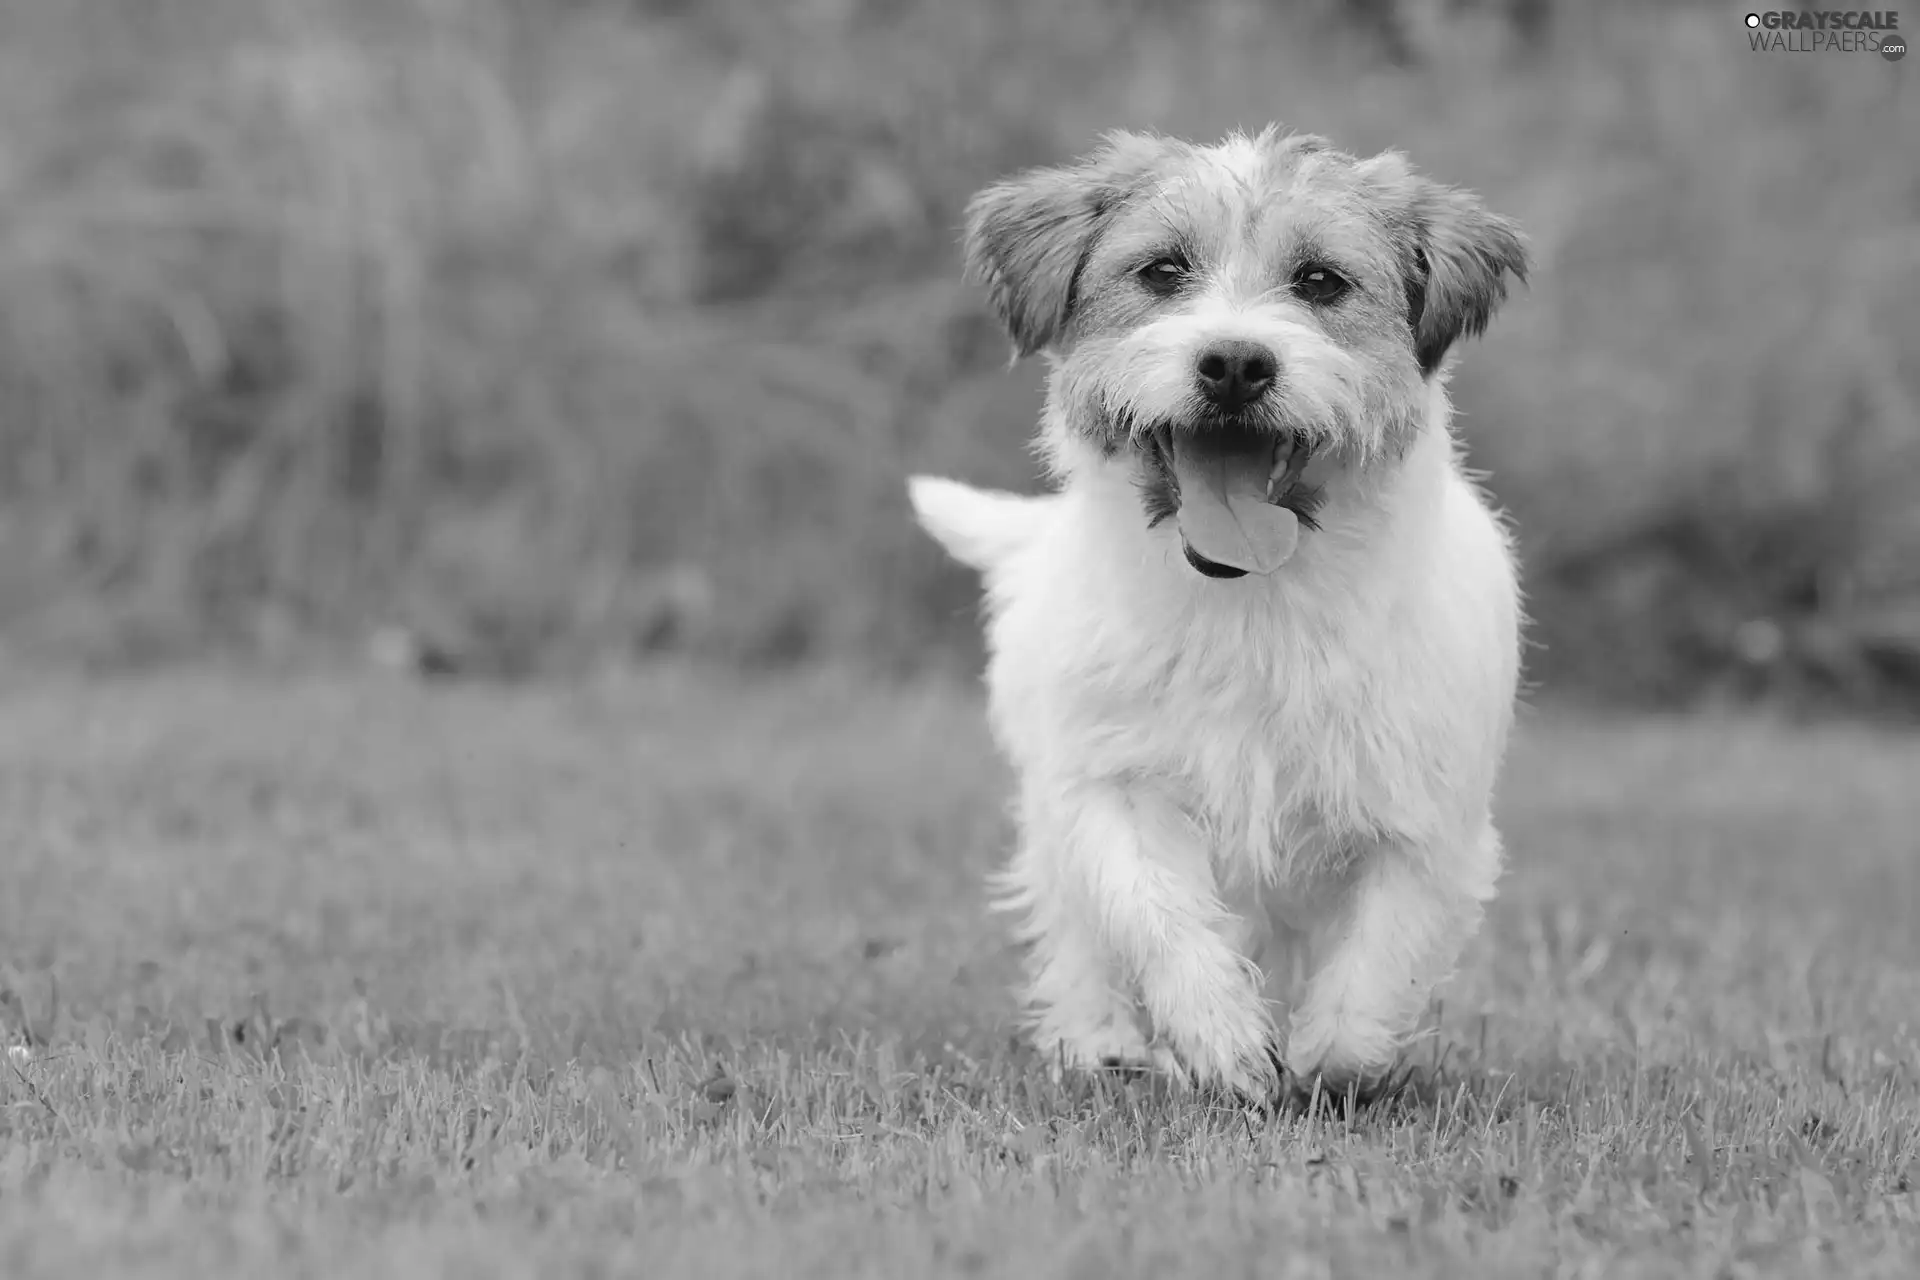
[(1456, 255), (1028, 236)]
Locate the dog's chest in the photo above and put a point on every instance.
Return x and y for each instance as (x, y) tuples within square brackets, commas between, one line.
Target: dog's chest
[(1268, 760), (1266, 749)]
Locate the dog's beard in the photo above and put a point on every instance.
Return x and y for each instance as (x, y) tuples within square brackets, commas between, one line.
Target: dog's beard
[(1238, 490)]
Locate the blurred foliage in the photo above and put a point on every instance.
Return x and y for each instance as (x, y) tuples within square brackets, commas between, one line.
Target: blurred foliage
[(544, 328)]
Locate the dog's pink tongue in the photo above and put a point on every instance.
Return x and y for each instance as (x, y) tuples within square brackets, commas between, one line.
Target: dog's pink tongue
[(1224, 512)]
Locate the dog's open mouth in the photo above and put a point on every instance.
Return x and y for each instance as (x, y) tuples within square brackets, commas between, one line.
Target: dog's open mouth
[(1238, 495)]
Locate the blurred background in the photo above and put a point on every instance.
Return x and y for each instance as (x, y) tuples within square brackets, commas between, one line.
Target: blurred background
[(514, 335)]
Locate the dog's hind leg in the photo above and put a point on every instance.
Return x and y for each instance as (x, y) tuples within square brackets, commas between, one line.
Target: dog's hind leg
[(1142, 875), (1398, 932)]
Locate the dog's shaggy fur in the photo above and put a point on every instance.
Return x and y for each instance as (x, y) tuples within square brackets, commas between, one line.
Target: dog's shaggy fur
[(1243, 791)]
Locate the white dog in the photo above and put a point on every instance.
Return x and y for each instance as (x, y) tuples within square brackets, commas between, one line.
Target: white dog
[(1255, 661)]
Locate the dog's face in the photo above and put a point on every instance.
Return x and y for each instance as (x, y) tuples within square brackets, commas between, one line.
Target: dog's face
[(1233, 322)]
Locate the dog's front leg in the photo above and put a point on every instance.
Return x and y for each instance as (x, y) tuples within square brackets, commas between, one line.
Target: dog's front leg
[(1397, 933), (1148, 881)]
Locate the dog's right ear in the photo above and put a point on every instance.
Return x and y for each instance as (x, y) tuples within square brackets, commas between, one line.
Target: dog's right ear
[(1027, 237)]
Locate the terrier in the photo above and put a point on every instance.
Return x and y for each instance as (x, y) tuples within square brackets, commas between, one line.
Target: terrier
[(1255, 658)]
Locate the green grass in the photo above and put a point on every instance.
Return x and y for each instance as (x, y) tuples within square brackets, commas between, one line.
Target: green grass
[(338, 977)]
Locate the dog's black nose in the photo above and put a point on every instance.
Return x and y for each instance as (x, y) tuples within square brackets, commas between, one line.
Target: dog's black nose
[(1234, 374)]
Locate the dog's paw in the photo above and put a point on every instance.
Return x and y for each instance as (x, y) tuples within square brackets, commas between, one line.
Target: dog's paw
[(1163, 1061), (1153, 1061), (1113, 1050), (1252, 1080), (1266, 1083)]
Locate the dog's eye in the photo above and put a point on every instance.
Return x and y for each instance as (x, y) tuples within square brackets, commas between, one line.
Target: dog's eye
[(1320, 285), (1163, 275)]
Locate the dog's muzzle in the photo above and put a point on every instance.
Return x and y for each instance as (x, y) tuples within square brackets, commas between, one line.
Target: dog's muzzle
[(1240, 499)]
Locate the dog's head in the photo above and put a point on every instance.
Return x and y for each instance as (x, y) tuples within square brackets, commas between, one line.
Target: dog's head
[(1232, 322)]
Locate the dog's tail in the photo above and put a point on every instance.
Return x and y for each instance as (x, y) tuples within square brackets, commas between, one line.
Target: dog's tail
[(978, 527)]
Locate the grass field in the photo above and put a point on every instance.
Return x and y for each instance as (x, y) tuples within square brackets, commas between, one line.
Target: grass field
[(337, 977)]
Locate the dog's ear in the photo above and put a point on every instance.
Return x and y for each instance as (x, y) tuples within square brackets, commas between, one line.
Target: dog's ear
[(1028, 236), (1456, 256)]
